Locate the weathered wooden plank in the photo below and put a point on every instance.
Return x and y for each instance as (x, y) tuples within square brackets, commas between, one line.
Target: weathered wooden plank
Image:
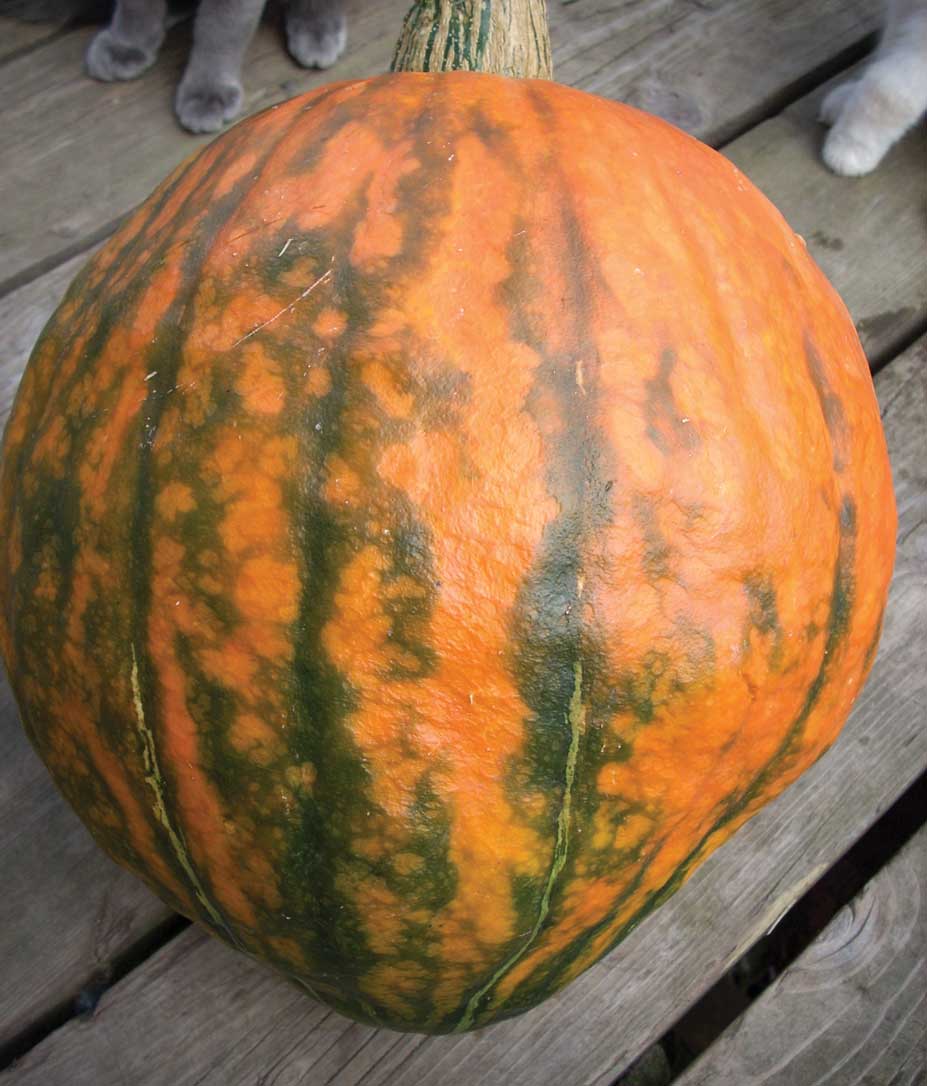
[(52, 112), (16, 36), (23, 314), (588, 1033), (712, 67), (852, 1008), (846, 223)]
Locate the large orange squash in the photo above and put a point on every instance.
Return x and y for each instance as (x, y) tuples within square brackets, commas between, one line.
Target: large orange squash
[(439, 517)]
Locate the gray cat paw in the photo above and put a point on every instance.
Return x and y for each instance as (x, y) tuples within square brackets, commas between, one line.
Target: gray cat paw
[(206, 107), (109, 59), (852, 154), (318, 42), (834, 101)]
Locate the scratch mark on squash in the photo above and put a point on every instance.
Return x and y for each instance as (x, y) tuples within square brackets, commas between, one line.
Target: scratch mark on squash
[(579, 376), (323, 278)]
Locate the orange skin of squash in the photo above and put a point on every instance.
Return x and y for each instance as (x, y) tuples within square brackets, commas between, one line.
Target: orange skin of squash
[(649, 366)]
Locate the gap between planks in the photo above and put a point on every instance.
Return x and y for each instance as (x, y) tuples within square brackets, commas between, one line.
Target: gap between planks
[(852, 1009), (724, 1006)]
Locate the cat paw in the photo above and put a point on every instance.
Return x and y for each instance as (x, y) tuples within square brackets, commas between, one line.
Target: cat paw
[(834, 101), (206, 107), (109, 59), (317, 42), (850, 156)]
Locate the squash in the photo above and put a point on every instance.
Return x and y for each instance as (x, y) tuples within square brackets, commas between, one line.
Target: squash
[(441, 515)]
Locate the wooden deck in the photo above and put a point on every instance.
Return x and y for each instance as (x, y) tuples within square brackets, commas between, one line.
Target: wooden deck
[(104, 987)]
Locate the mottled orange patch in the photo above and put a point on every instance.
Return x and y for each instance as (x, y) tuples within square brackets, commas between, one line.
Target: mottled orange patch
[(633, 831), (162, 289), (301, 776), (277, 456), (53, 447), (330, 323), (231, 663), (395, 984), (174, 499), (267, 590), (318, 380), (379, 234), (385, 328), (250, 734), (106, 446), (342, 483), (14, 543), (260, 384), (243, 164), (382, 383), (383, 937), (48, 584), (407, 863), (288, 950), (255, 516)]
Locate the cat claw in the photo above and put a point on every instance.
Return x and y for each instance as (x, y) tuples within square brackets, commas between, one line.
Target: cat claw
[(110, 60), (317, 45), (206, 107)]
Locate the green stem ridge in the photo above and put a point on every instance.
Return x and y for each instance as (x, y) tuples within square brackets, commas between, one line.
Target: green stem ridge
[(576, 721), (505, 37)]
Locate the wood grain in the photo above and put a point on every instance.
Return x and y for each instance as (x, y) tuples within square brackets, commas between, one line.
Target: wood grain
[(17, 36), (713, 67), (220, 1019), (53, 113), (852, 1009)]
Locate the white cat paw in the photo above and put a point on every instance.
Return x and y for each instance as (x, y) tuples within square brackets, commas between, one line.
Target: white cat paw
[(206, 107), (834, 101), (109, 59), (850, 156), (317, 43)]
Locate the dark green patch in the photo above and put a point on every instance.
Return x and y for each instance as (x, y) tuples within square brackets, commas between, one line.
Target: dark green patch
[(554, 645), (433, 886), (548, 976), (163, 361), (764, 615), (656, 548), (324, 873), (831, 406), (635, 691), (667, 428)]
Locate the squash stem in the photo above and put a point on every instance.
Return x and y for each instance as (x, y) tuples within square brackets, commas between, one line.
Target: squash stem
[(507, 37)]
